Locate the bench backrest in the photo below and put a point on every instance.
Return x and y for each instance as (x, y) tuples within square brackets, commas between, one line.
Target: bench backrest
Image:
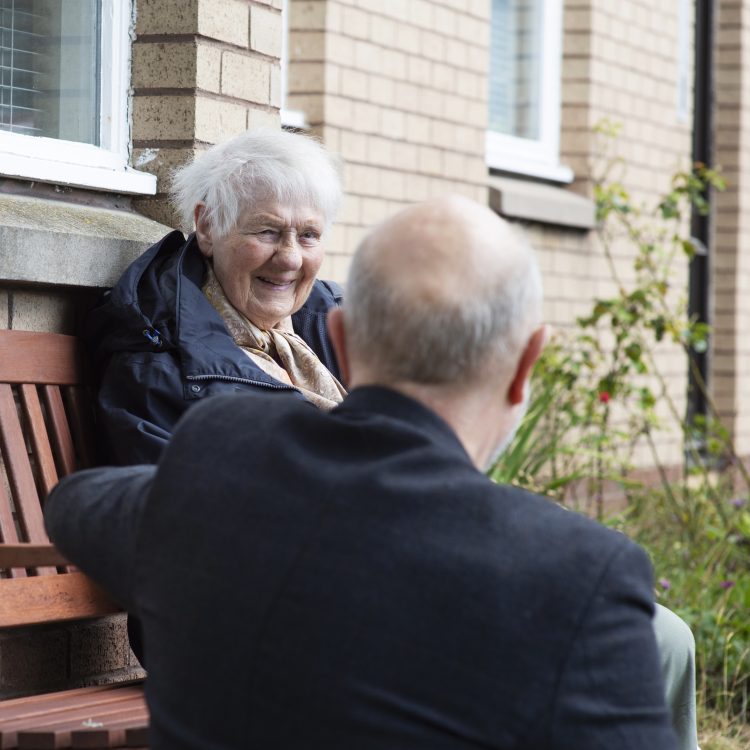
[(45, 433)]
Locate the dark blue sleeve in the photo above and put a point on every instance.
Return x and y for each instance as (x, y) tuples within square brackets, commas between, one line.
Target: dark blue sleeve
[(93, 518), (138, 404), (611, 693)]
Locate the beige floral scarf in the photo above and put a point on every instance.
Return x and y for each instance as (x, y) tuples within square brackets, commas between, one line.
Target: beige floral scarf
[(279, 351)]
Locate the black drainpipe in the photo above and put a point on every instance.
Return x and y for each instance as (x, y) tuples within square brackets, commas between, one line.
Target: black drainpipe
[(700, 226)]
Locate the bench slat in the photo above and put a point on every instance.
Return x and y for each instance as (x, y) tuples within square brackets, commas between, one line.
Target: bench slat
[(19, 469), (62, 440), (27, 714), (58, 732), (8, 533), (25, 555), (38, 430), (81, 426), (30, 357), (68, 596)]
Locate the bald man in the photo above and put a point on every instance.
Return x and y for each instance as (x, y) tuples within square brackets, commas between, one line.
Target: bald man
[(350, 580)]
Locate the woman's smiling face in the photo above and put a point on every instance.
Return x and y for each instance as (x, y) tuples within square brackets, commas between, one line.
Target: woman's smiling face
[(267, 264)]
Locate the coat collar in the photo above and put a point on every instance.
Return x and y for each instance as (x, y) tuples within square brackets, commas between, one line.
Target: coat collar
[(393, 405)]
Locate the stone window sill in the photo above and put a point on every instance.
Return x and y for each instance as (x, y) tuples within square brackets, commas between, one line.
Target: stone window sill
[(526, 200), (67, 244)]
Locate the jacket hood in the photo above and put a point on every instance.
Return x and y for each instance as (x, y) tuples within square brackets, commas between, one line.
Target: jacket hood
[(158, 305)]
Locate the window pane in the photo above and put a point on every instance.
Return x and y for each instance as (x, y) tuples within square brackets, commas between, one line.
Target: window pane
[(516, 67), (49, 62)]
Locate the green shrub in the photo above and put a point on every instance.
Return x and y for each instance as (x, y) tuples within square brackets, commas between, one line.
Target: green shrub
[(570, 447)]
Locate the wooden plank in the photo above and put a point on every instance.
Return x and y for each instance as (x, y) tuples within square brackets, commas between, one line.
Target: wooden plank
[(24, 713), (42, 450), (24, 555), (30, 357), (8, 531), (112, 734), (17, 465), (62, 440), (69, 596), (80, 419), (57, 733), (137, 737)]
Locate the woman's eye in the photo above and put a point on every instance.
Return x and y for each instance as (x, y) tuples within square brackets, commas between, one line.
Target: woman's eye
[(310, 236), (267, 233)]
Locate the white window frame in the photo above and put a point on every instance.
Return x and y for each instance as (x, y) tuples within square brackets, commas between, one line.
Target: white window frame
[(290, 118), (103, 167), (538, 157)]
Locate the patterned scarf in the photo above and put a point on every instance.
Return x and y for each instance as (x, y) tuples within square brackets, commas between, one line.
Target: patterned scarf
[(279, 351)]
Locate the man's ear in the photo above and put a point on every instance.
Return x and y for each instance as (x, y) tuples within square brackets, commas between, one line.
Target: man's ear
[(337, 332), (530, 355), (203, 230)]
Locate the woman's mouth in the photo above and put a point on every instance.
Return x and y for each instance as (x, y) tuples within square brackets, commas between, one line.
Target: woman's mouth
[(278, 284)]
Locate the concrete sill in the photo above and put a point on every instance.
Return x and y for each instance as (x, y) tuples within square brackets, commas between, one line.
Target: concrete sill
[(67, 244), (542, 203)]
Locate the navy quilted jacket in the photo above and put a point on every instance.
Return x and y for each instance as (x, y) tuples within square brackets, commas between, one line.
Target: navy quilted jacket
[(158, 346)]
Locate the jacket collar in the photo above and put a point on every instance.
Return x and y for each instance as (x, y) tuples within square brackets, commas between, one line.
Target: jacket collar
[(393, 405)]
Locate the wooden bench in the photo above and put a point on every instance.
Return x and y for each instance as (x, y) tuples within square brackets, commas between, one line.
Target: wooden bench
[(45, 433)]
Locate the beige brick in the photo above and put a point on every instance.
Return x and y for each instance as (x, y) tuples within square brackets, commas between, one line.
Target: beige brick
[(420, 71), (354, 84), (265, 31), (262, 118), (367, 56), (382, 91), (339, 111), (275, 96), (430, 160), (208, 67), (217, 121), (167, 17), (408, 39), (383, 31), (164, 65), (163, 118), (307, 78), (162, 162), (366, 116), (353, 146), (225, 20), (374, 210), (312, 106), (393, 123), (421, 13), (308, 46), (418, 128), (355, 23), (245, 77), (309, 15)]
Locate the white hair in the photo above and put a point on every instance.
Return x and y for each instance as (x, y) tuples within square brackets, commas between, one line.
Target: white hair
[(257, 165), (447, 340)]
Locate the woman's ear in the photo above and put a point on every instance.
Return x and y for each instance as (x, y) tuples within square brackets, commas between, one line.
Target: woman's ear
[(203, 230), (337, 332)]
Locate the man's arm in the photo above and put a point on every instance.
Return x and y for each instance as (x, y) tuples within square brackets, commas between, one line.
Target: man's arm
[(611, 693), (93, 517)]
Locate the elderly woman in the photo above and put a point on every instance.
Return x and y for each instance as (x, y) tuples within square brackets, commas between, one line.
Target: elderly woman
[(236, 306)]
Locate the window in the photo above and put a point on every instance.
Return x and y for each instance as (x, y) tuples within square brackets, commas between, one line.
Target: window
[(64, 78), (524, 100)]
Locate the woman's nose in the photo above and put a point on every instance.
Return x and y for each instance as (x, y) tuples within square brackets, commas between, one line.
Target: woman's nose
[(289, 254)]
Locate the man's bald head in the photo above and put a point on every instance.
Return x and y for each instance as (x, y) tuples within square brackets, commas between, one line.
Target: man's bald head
[(439, 292)]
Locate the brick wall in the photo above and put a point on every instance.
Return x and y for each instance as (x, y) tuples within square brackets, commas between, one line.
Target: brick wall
[(399, 90), (202, 71), (620, 62), (730, 265)]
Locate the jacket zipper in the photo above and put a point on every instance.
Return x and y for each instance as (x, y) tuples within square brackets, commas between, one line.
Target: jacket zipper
[(232, 379)]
